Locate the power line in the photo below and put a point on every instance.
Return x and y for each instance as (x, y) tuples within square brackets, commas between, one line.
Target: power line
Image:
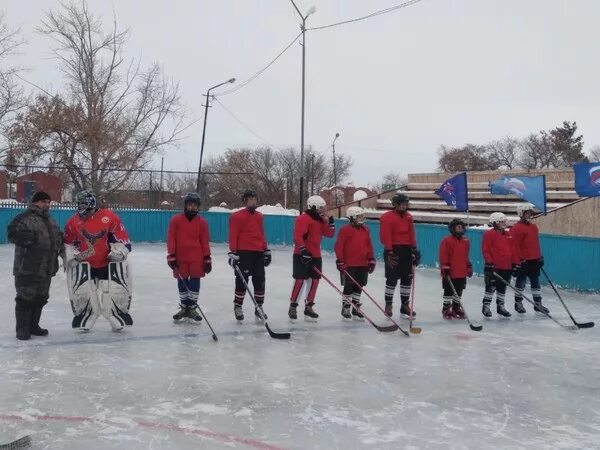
[(52, 167), (243, 124), (368, 16), (260, 72)]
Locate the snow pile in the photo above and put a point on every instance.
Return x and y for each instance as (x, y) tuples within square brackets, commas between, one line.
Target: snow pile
[(271, 210)]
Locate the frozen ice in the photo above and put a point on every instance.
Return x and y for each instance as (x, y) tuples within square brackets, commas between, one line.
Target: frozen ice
[(523, 383)]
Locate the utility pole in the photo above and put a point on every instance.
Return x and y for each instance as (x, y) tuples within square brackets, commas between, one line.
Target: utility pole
[(337, 135)]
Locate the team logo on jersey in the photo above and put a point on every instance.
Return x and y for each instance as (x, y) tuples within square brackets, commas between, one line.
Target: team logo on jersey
[(105, 219), (92, 238)]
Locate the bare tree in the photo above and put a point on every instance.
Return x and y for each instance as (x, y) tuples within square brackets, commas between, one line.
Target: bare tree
[(467, 157), (595, 153), (111, 115), (503, 153), (536, 152)]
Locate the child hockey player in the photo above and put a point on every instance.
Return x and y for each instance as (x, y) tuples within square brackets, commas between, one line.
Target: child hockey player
[(188, 255), (499, 257), (248, 250), (526, 242), (309, 228), (454, 264), (354, 253)]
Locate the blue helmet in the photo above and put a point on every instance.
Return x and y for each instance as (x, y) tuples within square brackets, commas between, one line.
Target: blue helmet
[(86, 202)]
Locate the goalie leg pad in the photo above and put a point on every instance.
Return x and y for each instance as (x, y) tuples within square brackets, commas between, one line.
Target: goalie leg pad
[(84, 302), (116, 295)]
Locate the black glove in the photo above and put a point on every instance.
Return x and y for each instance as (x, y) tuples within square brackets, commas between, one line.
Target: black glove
[(390, 258), (234, 259), (267, 257), (541, 261), (469, 269), (172, 261), (371, 265), (306, 257), (341, 265), (416, 256), (207, 264), (331, 220), (488, 273), (516, 270)]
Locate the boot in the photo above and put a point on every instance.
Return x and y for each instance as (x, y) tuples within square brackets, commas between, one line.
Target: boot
[(457, 311), (180, 314), (292, 311), (346, 313), (538, 307), (519, 307), (238, 312), (194, 314), (486, 311), (34, 327), (258, 311), (309, 313), (447, 311), (500, 309), (405, 311), (356, 313), (388, 309), (23, 317)]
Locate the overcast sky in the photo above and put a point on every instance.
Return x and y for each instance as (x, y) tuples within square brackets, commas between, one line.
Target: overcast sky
[(395, 87)]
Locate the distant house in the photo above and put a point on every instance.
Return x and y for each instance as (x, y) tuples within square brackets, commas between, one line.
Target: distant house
[(3, 184), (38, 181)]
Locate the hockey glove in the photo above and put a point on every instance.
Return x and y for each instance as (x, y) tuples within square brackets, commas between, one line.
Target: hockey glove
[(267, 257), (541, 261), (488, 274), (469, 269), (416, 256), (371, 265), (118, 252), (207, 264), (341, 265), (516, 270), (234, 259), (390, 258), (305, 255), (445, 271), (172, 261), (331, 221)]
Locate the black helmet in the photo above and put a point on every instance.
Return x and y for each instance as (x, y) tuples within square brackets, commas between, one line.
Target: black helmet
[(399, 199), (247, 194), (191, 197), (453, 223), (86, 202)]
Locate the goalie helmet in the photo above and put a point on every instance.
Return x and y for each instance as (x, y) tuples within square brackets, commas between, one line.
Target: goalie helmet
[(497, 220), (356, 215), (316, 203), (86, 202)]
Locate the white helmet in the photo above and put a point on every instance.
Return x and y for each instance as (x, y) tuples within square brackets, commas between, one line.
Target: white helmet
[(356, 214), (316, 202), (522, 207), (496, 218)]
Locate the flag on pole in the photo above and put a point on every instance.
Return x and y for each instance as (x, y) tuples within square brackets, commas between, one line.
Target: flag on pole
[(587, 179), (531, 189), (454, 192)]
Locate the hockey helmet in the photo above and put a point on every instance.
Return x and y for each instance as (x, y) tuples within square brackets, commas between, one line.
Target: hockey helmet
[(316, 203), (191, 197), (524, 207), (356, 215), (399, 199), (247, 194), (453, 224), (86, 202), (497, 220)]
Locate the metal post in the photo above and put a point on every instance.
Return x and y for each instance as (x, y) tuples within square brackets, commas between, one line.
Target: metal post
[(162, 164), (202, 144), (337, 135), (301, 202)]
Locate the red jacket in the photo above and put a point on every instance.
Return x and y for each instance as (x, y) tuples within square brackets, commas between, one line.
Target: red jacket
[(98, 231), (526, 240), (497, 249), (454, 253), (188, 239), (396, 229), (308, 233), (353, 246), (246, 231)]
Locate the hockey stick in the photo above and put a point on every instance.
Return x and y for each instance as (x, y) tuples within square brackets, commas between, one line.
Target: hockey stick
[(415, 330), (384, 329), (579, 325), (272, 333), (23, 442), (457, 298), (373, 300), (567, 327), (214, 336)]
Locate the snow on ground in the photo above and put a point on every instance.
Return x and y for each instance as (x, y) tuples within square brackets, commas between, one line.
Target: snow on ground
[(523, 383), (277, 210)]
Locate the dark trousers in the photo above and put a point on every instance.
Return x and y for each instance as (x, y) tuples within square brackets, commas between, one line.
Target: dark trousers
[(459, 286), (32, 291), (251, 264), (403, 272)]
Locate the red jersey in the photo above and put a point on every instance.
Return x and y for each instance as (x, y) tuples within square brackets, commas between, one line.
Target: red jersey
[(94, 233), (497, 249), (397, 229), (354, 246), (454, 253), (526, 240), (308, 233), (246, 231), (188, 239)]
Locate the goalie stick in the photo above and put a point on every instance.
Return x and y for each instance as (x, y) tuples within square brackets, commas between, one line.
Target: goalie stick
[(457, 298), (24, 442), (579, 325), (384, 329), (272, 333), (566, 327)]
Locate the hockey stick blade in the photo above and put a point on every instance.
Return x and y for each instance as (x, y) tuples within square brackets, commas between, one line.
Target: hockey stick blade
[(476, 327), (275, 335), (457, 298), (24, 442), (386, 329), (415, 330), (584, 325)]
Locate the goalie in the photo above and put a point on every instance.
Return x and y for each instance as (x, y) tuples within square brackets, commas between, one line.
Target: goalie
[(98, 278)]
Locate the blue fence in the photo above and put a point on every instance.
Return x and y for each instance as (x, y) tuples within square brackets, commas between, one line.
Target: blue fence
[(572, 262)]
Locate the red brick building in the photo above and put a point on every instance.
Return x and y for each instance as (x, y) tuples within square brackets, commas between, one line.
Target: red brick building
[(38, 181), (3, 184)]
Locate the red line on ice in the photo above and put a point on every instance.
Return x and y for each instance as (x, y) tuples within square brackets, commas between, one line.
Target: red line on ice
[(224, 437)]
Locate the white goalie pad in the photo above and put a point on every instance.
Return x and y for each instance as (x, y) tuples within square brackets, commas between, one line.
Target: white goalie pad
[(116, 295), (82, 295)]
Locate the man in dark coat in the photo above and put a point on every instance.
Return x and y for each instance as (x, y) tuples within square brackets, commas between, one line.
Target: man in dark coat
[(38, 244)]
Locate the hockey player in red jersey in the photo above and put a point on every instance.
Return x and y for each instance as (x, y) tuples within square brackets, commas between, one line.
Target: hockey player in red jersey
[(97, 246), (354, 253), (454, 264), (526, 242), (188, 255), (400, 253), (309, 228), (499, 257), (248, 250)]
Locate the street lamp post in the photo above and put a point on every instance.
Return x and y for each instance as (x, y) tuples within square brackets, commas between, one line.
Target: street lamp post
[(207, 95), (337, 135), (312, 10)]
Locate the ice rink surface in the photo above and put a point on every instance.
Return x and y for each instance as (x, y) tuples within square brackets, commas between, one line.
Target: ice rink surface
[(523, 383)]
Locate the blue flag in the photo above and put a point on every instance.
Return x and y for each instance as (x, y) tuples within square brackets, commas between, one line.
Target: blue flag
[(531, 189), (587, 179), (454, 192)]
